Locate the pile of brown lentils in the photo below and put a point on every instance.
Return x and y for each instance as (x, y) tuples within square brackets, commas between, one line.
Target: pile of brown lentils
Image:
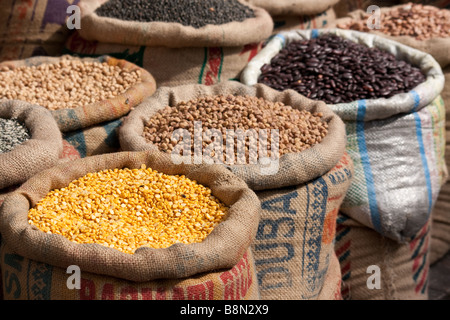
[(298, 129), (70, 83)]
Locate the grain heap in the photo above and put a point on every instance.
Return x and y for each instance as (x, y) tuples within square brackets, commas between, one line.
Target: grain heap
[(130, 208), (12, 134), (298, 129), (337, 70), (66, 84), (195, 13), (415, 20)]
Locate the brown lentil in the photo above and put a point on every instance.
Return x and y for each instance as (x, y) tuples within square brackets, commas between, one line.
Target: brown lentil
[(130, 208), (415, 20), (67, 84), (298, 129)]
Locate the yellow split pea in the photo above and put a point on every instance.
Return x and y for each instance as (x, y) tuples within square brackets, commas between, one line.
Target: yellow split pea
[(130, 208)]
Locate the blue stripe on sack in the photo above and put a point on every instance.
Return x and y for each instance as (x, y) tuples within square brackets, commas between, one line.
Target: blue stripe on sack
[(374, 213), (419, 247), (342, 234), (424, 262), (344, 256), (424, 159), (416, 98), (314, 33)]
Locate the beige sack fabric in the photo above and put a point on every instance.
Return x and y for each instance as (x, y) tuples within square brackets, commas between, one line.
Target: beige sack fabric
[(33, 280), (174, 66), (374, 267), (293, 7), (38, 153), (294, 244), (222, 249), (172, 35), (33, 28), (101, 111), (292, 22)]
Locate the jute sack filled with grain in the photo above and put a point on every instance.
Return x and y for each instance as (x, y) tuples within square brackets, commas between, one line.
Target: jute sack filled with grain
[(111, 27), (426, 29), (300, 192), (77, 97), (400, 136), (219, 267), (375, 267), (39, 152), (293, 7)]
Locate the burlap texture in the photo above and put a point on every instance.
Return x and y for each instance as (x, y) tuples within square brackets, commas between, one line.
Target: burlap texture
[(439, 48), (404, 267), (343, 7), (33, 280), (294, 245), (223, 248), (174, 66), (293, 7), (33, 28), (38, 153), (440, 228), (101, 111), (292, 22), (172, 35), (294, 169)]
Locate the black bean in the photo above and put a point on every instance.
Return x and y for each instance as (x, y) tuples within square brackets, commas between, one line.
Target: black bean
[(337, 70), (195, 13)]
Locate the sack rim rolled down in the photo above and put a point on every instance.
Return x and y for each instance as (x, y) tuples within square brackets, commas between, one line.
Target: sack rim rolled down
[(78, 119), (315, 161), (294, 7), (443, 60), (217, 251), (44, 147), (412, 101), (173, 34)]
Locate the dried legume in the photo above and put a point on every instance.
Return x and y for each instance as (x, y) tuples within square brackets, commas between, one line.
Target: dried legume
[(12, 134), (130, 208), (69, 83), (298, 129), (195, 13), (415, 20), (334, 70)]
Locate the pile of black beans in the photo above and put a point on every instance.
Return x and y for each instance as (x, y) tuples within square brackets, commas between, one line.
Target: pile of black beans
[(336, 70), (195, 13)]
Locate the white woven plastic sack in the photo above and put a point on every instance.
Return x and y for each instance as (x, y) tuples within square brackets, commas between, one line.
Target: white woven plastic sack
[(397, 144)]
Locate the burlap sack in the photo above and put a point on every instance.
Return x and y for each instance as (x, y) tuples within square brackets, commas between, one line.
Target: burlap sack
[(27, 279), (40, 152), (101, 111), (33, 28), (172, 35), (439, 48), (403, 267), (293, 22), (343, 7), (95, 140), (294, 244), (396, 144), (293, 7), (223, 249), (174, 66)]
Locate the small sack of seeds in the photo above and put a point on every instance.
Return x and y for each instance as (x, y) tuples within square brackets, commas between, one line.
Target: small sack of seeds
[(79, 92), (30, 141), (388, 94), (174, 23), (138, 227), (289, 149)]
